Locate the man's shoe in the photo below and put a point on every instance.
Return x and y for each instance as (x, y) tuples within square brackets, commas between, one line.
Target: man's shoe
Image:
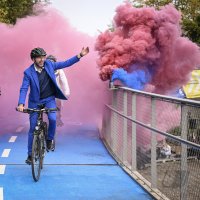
[(49, 143), (28, 160), (53, 145)]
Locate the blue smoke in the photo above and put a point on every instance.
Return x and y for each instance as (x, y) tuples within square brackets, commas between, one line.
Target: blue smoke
[(179, 93), (136, 79)]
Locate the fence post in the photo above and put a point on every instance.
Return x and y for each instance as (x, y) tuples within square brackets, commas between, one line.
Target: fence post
[(124, 155), (184, 131), (114, 121), (153, 145), (134, 149)]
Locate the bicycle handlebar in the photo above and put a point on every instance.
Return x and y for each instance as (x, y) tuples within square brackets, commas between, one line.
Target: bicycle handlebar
[(45, 110)]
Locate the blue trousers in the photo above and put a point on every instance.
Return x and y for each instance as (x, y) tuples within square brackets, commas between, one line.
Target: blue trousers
[(49, 103)]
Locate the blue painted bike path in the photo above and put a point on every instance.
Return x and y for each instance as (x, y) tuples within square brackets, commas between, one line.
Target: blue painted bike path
[(80, 168)]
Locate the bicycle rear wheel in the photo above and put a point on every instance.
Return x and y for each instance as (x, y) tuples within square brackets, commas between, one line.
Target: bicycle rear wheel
[(36, 158)]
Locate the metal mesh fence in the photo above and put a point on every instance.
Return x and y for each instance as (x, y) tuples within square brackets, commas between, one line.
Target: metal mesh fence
[(158, 139)]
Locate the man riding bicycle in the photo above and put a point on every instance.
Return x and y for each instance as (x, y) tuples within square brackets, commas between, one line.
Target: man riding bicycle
[(40, 77)]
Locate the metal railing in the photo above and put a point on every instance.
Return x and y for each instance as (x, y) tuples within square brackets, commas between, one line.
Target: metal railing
[(156, 139)]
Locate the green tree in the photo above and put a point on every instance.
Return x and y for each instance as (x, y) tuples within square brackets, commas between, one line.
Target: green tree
[(11, 10), (190, 10)]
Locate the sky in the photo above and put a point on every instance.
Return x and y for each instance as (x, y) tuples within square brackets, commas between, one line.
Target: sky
[(88, 16)]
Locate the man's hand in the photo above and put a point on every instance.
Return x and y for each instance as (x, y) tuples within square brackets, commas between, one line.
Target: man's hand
[(84, 51), (20, 108)]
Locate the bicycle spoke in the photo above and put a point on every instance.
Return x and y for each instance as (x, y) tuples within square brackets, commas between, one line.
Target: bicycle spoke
[(42, 147)]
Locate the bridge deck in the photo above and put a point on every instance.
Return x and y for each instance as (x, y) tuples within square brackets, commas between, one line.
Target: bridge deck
[(80, 168)]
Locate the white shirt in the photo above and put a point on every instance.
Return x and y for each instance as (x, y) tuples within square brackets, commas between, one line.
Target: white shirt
[(37, 69), (62, 82)]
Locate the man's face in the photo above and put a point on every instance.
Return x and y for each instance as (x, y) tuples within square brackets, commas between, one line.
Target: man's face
[(39, 61)]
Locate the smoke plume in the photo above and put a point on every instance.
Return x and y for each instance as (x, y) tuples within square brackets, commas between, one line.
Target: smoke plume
[(152, 41)]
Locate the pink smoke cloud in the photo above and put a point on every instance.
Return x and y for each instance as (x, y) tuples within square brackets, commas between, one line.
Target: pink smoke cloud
[(150, 38), (53, 32)]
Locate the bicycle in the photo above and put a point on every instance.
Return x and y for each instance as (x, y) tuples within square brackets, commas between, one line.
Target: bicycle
[(39, 140)]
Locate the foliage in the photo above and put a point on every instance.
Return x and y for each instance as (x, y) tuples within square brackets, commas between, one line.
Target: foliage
[(190, 10), (11, 10), (175, 131)]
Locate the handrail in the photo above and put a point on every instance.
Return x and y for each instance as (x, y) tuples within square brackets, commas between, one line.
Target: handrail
[(155, 130), (159, 96), (136, 129)]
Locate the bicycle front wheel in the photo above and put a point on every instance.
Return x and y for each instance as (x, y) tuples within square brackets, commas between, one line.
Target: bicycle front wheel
[(36, 158), (43, 141)]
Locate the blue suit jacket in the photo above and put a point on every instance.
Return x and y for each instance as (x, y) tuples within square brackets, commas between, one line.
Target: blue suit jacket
[(31, 80)]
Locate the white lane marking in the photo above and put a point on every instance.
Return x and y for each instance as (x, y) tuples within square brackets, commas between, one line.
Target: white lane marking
[(1, 193), (2, 169), (5, 153), (12, 139), (19, 129)]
